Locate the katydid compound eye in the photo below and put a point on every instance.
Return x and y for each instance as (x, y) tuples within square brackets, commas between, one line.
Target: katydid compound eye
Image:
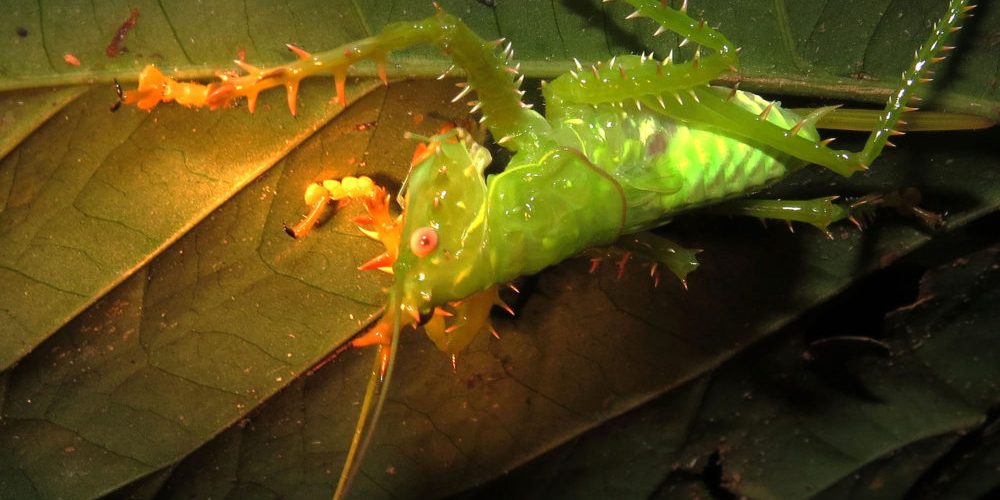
[(423, 241)]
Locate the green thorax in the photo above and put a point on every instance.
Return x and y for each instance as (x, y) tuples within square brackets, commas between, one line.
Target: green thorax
[(535, 214)]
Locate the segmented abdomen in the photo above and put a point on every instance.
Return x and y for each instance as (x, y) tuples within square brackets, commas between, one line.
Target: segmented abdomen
[(666, 167)]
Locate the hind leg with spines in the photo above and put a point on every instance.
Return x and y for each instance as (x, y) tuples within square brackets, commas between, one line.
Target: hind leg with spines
[(821, 212), (652, 248), (845, 162), (682, 90), (678, 260), (683, 93), (490, 73), (627, 78), (453, 327)]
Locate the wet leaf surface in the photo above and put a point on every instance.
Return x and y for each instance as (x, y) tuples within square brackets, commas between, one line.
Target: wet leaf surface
[(775, 422)]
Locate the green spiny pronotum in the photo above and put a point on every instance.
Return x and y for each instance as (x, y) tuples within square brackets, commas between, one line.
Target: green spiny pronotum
[(624, 145)]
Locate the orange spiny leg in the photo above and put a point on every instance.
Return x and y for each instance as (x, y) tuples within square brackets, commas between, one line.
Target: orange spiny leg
[(155, 88), (379, 224), (453, 332), (655, 250), (491, 73)]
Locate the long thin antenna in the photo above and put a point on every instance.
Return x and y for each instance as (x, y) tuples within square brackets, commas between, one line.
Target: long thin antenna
[(378, 388)]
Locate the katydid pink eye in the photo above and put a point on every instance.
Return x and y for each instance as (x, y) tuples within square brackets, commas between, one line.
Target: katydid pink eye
[(423, 241)]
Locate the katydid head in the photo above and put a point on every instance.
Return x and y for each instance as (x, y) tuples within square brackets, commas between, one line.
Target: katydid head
[(442, 252)]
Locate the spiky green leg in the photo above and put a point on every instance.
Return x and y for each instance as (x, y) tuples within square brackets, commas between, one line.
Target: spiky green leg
[(738, 121), (661, 251), (819, 212), (630, 77), (733, 119), (679, 22), (918, 72), (866, 120), (683, 94)]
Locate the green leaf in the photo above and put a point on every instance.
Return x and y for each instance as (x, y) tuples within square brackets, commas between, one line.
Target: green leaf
[(227, 315), (157, 324), (773, 423), (850, 50), (101, 205)]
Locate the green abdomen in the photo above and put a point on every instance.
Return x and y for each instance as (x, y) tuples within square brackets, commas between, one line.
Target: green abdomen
[(666, 167)]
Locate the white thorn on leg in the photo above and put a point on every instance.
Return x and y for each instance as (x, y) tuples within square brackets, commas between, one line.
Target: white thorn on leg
[(442, 76), (465, 91)]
